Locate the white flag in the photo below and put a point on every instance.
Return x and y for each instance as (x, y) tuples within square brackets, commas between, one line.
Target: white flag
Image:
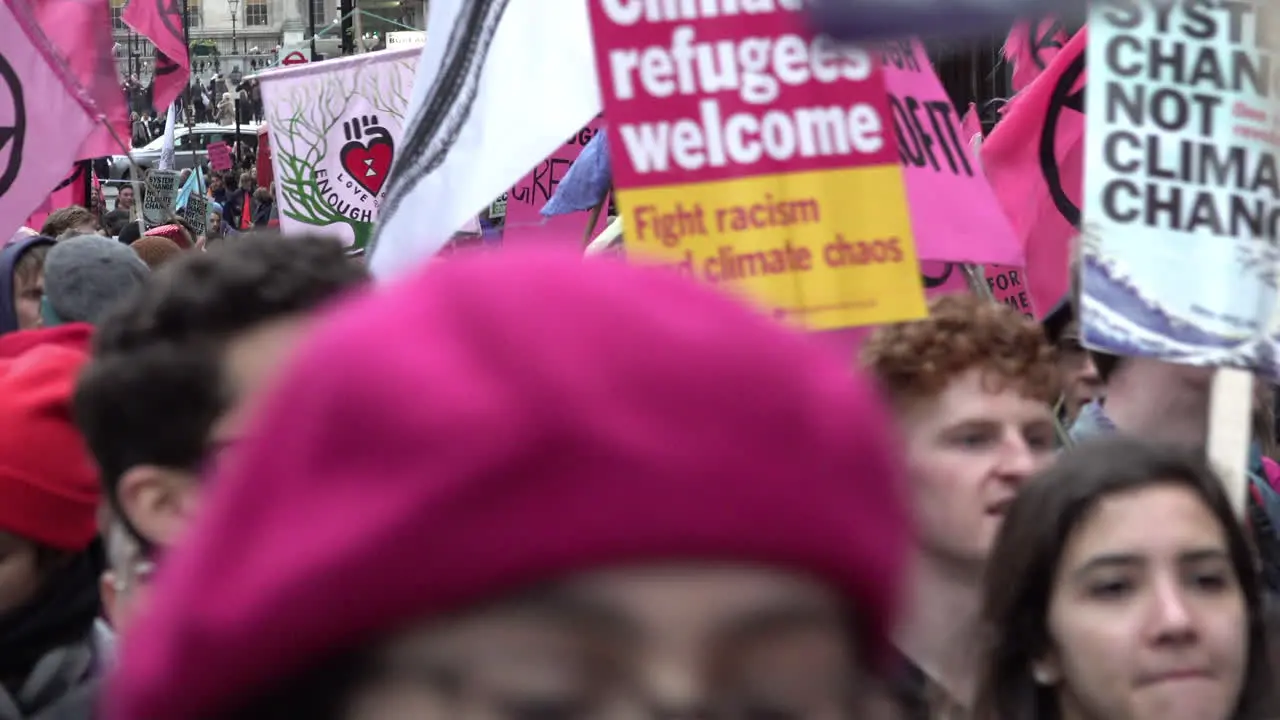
[(166, 150), (500, 85)]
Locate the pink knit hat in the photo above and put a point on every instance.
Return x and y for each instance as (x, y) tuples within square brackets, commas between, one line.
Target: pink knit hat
[(498, 422)]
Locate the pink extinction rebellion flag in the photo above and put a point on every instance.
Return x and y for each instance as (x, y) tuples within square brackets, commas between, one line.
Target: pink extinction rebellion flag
[(1031, 46), (42, 120), (1034, 160), (160, 21)]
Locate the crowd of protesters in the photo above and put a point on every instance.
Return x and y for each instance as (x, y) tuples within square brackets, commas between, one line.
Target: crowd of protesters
[(240, 482)]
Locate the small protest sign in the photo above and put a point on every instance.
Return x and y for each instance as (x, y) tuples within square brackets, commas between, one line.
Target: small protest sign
[(157, 202), (954, 214), (219, 156), (778, 178), (196, 213), (1182, 192)]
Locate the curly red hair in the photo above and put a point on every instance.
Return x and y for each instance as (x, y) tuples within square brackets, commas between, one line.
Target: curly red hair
[(917, 360)]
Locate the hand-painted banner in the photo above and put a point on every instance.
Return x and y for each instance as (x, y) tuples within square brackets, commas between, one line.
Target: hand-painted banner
[(335, 128), (524, 222), (43, 121), (954, 215), (1033, 160), (780, 181), (1182, 192)]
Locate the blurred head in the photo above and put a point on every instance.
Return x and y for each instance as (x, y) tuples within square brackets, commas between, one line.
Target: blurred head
[(70, 219), (248, 182), (766, 590), (972, 387), (27, 258), (1122, 586), (85, 277), (114, 222), (174, 367)]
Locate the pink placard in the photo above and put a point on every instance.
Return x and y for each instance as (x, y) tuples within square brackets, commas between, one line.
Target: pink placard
[(524, 222), (219, 156), (954, 215)]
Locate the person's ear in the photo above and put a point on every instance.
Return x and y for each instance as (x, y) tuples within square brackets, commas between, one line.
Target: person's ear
[(110, 596), (157, 501)]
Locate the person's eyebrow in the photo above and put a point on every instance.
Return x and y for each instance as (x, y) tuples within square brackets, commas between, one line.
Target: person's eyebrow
[(1111, 560), (1200, 555)]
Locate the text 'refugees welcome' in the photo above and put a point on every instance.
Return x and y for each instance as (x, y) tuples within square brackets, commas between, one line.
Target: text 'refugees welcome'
[(742, 88)]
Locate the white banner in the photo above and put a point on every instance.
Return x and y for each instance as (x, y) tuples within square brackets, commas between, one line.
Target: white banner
[(335, 129)]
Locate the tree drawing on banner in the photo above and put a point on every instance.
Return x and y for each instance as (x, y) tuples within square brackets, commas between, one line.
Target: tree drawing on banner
[(312, 121)]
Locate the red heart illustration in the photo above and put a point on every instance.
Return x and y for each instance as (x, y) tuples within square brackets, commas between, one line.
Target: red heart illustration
[(368, 166)]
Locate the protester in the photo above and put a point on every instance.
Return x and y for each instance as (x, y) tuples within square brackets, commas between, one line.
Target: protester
[(68, 219), (1157, 400), (236, 200), (85, 277), (1080, 382), (155, 250), (1122, 588), (684, 541), (124, 198), (22, 282), (113, 222), (217, 188), (972, 389), (263, 206), (49, 650), (175, 366)]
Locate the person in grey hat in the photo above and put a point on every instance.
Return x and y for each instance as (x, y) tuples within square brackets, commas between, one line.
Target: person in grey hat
[(85, 276)]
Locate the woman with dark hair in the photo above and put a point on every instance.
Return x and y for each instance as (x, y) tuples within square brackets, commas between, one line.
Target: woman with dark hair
[(1122, 587)]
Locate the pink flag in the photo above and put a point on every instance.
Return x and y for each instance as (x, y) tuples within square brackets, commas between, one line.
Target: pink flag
[(971, 126), (160, 21), (525, 223), (68, 192), (1034, 160), (43, 120), (1031, 46), (81, 32), (954, 216)]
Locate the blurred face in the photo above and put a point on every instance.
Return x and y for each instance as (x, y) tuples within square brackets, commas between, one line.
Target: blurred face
[(28, 290), (160, 502), (124, 200), (969, 450), (1147, 618), (20, 575), (677, 641), (1081, 384)]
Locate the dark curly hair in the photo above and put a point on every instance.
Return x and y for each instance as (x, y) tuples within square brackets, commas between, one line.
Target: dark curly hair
[(154, 386), (916, 360)]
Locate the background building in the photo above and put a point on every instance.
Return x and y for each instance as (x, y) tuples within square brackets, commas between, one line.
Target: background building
[(247, 33)]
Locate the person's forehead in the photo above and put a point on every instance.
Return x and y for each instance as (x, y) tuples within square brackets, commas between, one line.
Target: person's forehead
[(688, 605)]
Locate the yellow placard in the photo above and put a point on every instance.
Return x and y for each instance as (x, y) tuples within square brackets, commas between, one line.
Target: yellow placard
[(827, 249)]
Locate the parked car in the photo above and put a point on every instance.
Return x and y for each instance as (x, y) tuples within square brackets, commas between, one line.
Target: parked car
[(185, 141)]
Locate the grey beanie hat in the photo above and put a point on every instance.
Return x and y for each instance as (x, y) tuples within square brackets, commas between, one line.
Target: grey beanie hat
[(85, 276)]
